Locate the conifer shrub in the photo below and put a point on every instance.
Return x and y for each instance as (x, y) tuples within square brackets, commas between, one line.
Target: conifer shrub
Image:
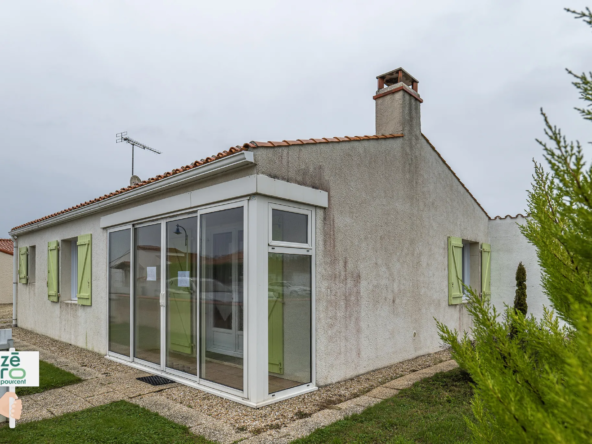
[(535, 385), (520, 304)]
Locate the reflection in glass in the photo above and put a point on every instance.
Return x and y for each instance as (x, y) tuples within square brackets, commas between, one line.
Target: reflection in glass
[(119, 292), (289, 227), (147, 254), (221, 297), (181, 263), (289, 321)]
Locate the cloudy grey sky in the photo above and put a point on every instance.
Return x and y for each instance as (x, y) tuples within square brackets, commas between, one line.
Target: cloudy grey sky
[(192, 78)]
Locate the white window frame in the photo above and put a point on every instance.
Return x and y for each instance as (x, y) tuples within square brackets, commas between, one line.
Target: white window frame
[(215, 209), (108, 273), (164, 349), (263, 274), (289, 208)]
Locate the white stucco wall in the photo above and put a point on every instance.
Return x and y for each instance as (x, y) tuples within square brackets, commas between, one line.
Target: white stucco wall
[(6, 266), (508, 248), (382, 270), (84, 326)]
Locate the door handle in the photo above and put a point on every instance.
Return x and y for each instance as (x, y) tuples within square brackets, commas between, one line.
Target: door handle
[(162, 298)]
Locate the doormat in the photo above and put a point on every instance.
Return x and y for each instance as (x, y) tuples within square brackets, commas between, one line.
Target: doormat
[(155, 380)]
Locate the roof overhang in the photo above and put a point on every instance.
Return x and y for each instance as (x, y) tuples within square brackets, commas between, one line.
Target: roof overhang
[(235, 161)]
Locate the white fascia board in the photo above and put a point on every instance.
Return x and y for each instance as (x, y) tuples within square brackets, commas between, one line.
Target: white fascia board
[(233, 189), (215, 193), (161, 206), (291, 191), (237, 160)]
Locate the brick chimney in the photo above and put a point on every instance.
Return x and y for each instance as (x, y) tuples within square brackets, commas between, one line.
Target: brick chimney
[(397, 104)]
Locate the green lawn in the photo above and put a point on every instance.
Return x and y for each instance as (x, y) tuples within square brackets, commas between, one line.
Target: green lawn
[(50, 377), (112, 423), (431, 411)]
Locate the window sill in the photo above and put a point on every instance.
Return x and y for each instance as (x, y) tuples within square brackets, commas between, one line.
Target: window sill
[(70, 302)]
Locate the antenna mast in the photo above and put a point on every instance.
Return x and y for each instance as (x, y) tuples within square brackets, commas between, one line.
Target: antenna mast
[(122, 137)]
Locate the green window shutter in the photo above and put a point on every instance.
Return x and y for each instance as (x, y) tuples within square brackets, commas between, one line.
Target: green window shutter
[(23, 265), (455, 287), (84, 292), (486, 272), (53, 248)]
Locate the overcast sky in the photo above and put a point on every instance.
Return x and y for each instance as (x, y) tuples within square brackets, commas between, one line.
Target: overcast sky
[(192, 78)]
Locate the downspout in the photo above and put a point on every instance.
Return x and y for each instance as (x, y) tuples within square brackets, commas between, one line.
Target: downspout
[(14, 279)]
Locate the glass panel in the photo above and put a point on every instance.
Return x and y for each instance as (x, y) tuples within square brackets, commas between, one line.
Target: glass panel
[(289, 321), (221, 297), (182, 295), (147, 293), (119, 292), (74, 270), (289, 227)]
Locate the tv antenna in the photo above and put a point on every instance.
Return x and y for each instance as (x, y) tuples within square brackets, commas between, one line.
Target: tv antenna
[(122, 137)]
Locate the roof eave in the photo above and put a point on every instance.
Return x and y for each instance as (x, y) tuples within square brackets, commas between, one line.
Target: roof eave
[(220, 166)]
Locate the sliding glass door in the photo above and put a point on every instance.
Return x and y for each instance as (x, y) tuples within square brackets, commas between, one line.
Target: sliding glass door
[(120, 292), (155, 317), (177, 288), (147, 293), (181, 292), (221, 296)]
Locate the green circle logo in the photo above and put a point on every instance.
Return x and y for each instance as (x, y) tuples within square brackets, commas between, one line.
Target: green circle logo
[(10, 373)]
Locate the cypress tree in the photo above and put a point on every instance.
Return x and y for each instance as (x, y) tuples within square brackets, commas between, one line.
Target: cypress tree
[(520, 304), (538, 389)]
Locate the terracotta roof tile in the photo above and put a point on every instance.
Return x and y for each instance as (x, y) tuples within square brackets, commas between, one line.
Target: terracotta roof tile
[(510, 216), (198, 163), (271, 144), (6, 246), (195, 164)]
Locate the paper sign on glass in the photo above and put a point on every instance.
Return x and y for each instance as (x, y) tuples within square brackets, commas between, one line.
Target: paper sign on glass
[(151, 273), (183, 279)]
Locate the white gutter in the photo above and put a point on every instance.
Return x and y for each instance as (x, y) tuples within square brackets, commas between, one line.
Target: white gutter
[(14, 279), (244, 158)]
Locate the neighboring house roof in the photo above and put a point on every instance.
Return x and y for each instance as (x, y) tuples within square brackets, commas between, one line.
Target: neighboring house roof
[(510, 216), (6, 246), (229, 152)]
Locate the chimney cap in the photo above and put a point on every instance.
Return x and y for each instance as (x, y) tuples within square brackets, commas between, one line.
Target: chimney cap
[(392, 77)]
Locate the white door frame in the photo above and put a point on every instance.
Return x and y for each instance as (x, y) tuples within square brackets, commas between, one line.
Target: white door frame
[(241, 203)]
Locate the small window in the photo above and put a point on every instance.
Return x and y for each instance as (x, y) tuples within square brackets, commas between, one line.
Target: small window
[(69, 271), (289, 227), (471, 258), (73, 270), (32, 261)]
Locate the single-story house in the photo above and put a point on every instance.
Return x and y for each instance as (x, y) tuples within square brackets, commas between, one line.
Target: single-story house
[(6, 267), (273, 268)]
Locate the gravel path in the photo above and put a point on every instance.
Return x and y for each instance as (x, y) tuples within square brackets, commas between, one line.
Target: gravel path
[(5, 315), (242, 418), (277, 415), (79, 356)]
